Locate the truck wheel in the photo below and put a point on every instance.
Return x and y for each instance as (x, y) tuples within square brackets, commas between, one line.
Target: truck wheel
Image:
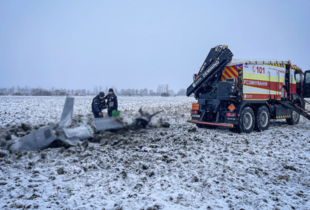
[(246, 121), (294, 119), (262, 119)]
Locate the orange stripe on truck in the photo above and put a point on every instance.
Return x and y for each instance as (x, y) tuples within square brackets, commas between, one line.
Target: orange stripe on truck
[(226, 75), (234, 70), (229, 72)]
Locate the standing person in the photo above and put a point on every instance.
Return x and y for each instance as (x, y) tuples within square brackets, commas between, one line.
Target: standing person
[(112, 103), (98, 105)]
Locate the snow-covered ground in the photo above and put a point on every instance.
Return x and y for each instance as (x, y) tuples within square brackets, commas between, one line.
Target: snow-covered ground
[(45, 110), (180, 167)]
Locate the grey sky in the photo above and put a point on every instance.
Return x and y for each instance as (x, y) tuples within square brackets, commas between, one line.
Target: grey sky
[(80, 44)]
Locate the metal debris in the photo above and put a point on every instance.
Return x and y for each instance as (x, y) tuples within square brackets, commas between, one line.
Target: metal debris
[(39, 139), (67, 137), (67, 113), (144, 119), (83, 132), (108, 123)]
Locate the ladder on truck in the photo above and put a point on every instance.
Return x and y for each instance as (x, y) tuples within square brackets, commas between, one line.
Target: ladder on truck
[(294, 107), (214, 63)]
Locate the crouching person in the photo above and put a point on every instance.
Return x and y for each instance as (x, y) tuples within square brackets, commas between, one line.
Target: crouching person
[(98, 105), (112, 103)]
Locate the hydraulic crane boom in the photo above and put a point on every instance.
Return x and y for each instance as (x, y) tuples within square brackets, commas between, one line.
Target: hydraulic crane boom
[(215, 62)]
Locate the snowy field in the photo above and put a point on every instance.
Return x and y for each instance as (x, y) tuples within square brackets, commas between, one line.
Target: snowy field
[(180, 167), (47, 110)]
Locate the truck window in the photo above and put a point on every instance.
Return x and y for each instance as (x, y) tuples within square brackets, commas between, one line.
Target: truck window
[(297, 78), (307, 79)]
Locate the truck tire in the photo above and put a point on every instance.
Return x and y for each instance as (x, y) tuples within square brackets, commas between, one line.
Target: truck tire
[(294, 119), (246, 121), (262, 119)]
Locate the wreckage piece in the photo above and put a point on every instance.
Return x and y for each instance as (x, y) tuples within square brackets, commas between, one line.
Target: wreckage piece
[(39, 139), (67, 112), (143, 120), (2, 142), (81, 133), (147, 116), (108, 123), (6, 144), (5, 140), (163, 124), (65, 143)]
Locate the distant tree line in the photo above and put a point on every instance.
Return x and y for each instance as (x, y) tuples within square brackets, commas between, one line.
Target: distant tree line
[(162, 90), (27, 91)]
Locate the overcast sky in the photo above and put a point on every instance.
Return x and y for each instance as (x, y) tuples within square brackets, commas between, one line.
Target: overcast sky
[(137, 44)]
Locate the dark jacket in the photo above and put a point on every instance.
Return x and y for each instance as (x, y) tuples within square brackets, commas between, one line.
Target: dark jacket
[(98, 104), (111, 101)]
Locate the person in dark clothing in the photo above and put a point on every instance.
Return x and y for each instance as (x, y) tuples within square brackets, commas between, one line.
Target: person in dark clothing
[(98, 105), (112, 103)]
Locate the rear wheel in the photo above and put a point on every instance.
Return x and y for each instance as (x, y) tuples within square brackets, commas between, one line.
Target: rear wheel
[(262, 119), (246, 121), (294, 119)]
